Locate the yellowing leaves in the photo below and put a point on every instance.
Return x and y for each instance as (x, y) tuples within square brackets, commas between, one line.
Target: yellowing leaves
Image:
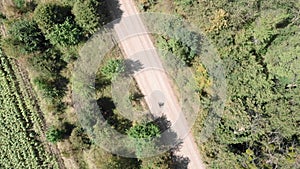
[(218, 21), (202, 78)]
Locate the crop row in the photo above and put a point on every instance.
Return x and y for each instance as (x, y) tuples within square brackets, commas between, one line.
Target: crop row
[(20, 124)]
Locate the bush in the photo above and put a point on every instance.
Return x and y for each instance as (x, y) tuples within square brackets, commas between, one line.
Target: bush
[(113, 68), (86, 15), (145, 131), (53, 135), (47, 87), (143, 136)]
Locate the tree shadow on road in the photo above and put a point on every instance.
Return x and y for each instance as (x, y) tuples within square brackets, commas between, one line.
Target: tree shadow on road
[(170, 139), (113, 9), (131, 67)]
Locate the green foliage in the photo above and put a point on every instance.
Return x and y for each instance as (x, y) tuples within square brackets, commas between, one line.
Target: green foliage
[(143, 136), (283, 58), (54, 135), (183, 46), (144, 131), (259, 48), (64, 34), (49, 63), (113, 68), (19, 3), (87, 15), (50, 14), (25, 36), (265, 27), (48, 87)]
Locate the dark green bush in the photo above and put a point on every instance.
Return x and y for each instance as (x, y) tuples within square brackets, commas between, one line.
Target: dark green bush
[(54, 135), (178, 48), (146, 131)]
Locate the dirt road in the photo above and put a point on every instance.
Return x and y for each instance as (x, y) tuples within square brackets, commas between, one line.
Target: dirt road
[(152, 79)]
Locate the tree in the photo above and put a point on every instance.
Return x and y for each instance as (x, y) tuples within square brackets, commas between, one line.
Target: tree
[(64, 34), (49, 14), (113, 68), (25, 37), (53, 134), (49, 63), (283, 58), (184, 51), (87, 15), (49, 87), (145, 131)]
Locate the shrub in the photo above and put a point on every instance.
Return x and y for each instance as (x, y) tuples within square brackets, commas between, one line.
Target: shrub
[(113, 68), (179, 48), (143, 136), (80, 139), (53, 135)]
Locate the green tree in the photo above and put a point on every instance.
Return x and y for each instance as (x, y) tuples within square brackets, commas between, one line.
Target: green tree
[(113, 68), (87, 15), (283, 58), (48, 63), (178, 48), (53, 134), (64, 34), (24, 37), (48, 87), (145, 131), (49, 14)]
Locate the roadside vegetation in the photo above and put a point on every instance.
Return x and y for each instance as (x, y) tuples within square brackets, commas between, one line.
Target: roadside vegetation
[(258, 44), (45, 37)]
